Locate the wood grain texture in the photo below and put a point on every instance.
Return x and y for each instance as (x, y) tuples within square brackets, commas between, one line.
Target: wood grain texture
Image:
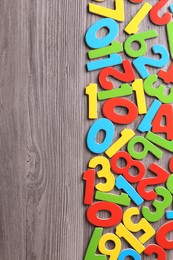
[(43, 127)]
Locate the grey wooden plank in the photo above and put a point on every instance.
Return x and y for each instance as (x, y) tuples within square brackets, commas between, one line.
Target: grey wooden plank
[(41, 157), (12, 124)]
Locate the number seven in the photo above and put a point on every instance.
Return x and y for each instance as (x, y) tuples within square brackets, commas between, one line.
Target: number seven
[(117, 14)]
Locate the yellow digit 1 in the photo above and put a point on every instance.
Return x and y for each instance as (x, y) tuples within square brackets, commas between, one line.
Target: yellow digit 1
[(141, 225), (126, 135), (113, 253), (117, 14), (91, 91), (132, 27), (138, 87), (122, 231)]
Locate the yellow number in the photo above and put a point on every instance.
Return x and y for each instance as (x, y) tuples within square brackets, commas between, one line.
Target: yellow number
[(141, 225), (103, 173), (137, 86), (132, 27), (117, 14), (113, 253), (126, 135)]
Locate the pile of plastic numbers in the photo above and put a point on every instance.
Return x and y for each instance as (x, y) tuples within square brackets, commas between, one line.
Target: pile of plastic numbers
[(135, 196)]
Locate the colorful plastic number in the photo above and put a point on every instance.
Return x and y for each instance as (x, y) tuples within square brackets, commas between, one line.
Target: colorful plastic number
[(109, 106), (91, 91), (121, 183), (105, 173), (125, 171), (117, 14), (126, 76), (167, 76), (155, 249), (126, 135), (94, 42), (114, 59), (114, 219), (113, 253), (169, 29), (161, 236), (166, 112), (98, 125), (171, 8), (161, 177), (145, 124), (136, 227), (133, 26), (158, 92), (123, 90), (122, 199), (158, 140), (89, 177), (142, 61), (169, 183), (147, 147), (114, 47), (140, 38), (129, 252), (169, 214), (171, 164), (155, 18), (99, 178), (160, 206), (123, 232), (137, 86), (92, 247)]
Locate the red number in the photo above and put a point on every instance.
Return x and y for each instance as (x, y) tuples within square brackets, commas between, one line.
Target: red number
[(155, 18), (129, 163), (162, 176), (109, 106), (126, 76), (167, 111), (155, 249), (171, 164), (161, 236), (114, 219), (167, 76), (89, 177)]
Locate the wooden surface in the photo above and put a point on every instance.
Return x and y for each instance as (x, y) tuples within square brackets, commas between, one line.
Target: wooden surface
[(43, 127)]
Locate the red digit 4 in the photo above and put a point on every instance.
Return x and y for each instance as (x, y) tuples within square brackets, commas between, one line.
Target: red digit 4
[(167, 76), (166, 110)]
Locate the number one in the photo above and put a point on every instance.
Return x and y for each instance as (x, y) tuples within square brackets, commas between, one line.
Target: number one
[(123, 232), (137, 86), (117, 13), (126, 135), (89, 177), (133, 25), (91, 91)]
